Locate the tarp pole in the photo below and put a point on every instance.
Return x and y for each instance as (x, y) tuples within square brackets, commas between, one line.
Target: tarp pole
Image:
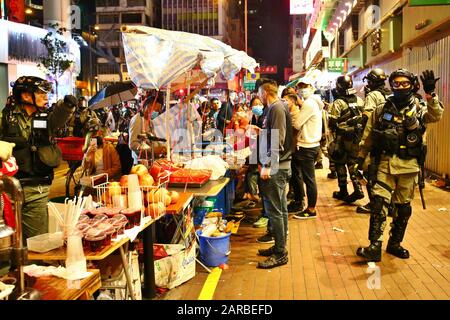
[(167, 122)]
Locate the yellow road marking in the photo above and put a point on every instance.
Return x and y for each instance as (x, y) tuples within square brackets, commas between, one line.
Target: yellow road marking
[(209, 288)]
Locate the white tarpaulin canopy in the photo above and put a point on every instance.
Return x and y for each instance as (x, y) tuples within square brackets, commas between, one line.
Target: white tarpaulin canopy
[(156, 57)]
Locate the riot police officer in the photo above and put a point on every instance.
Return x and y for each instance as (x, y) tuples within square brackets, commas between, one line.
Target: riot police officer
[(346, 123), (376, 94), (26, 122), (394, 136), (78, 122)]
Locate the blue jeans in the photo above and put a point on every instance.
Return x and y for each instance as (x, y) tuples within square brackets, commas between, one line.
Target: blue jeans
[(274, 193)]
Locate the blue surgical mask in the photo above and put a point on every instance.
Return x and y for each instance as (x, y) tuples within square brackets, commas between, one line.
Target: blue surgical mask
[(258, 110), (155, 114)]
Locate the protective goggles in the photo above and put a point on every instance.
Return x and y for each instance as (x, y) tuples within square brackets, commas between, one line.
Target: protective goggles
[(401, 84)]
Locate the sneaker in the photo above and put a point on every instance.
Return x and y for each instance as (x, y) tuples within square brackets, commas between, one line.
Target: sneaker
[(267, 238), (340, 195), (306, 214), (266, 252), (261, 223), (295, 207), (273, 261)]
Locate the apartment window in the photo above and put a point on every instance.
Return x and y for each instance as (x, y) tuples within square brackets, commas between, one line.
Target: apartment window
[(108, 3), (132, 18), (108, 35), (108, 18), (106, 68), (114, 50), (136, 3)]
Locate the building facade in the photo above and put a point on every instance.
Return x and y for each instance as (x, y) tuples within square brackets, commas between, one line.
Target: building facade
[(110, 16), (204, 17), (391, 34)]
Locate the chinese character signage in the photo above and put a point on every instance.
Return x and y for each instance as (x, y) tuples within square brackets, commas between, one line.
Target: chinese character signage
[(337, 65), (302, 7)]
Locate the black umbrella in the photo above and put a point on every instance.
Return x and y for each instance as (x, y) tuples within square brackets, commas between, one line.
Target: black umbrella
[(112, 95)]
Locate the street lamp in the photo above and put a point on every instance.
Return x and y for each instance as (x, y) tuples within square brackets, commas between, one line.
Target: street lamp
[(91, 77), (246, 25)]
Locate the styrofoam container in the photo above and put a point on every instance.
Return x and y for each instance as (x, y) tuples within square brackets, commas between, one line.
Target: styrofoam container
[(45, 242)]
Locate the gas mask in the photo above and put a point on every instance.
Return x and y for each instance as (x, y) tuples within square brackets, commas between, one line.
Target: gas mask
[(402, 95)]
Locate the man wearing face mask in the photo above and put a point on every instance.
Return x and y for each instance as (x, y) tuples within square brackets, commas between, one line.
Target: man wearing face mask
[(142, 123), (308, 121), (394, 135), (226, 111), (346, 124), (78, 122), (26, 122)]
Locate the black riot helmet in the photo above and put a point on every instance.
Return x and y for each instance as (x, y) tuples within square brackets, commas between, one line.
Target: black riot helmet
[(30, 84), (402, 92), (344, 86), (376, 78), (401, 73)]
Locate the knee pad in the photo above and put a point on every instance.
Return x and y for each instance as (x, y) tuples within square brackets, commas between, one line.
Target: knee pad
[(404, 210)]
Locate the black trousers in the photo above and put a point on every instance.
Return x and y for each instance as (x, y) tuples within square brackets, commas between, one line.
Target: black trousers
[(304, 173)]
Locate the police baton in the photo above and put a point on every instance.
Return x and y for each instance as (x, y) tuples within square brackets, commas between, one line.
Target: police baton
[(421, 187)]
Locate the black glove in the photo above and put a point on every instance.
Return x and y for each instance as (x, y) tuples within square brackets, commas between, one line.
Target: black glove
[(70, 101), (428, 81)]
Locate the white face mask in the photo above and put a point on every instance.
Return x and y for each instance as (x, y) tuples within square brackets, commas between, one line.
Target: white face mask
[(305, 93)]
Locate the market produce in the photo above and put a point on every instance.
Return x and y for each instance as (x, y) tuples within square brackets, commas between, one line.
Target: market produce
[(155, 210), (115, 189), (146, 180), (175, 196), (190, 176), (139, 169)]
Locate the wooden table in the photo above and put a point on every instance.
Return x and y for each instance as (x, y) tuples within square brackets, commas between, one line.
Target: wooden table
[(182, 204), (211, 189), (149, 290), (53, 288)]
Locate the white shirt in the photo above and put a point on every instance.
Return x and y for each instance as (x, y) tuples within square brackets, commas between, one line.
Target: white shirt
[(308, 121)]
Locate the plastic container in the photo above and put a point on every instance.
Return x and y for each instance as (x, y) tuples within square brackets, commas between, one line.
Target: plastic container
[(98, 219), (109, 230), (95, 239), (132, 216), (201, 211), (84, 218), (71, 148), (75, 261), (214, 251), (111, 212), (45, 242), (119, 222)]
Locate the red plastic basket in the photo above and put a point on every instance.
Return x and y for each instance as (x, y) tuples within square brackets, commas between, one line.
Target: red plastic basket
[(71, 148)]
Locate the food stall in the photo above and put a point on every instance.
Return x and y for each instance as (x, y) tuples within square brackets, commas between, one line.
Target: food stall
[(157, 59)]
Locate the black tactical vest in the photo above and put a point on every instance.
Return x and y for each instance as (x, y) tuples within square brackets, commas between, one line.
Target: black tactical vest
[(399, 132), (25, 151)]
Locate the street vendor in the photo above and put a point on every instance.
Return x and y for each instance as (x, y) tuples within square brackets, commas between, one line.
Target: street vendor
[(26, 122), (141, 123)]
